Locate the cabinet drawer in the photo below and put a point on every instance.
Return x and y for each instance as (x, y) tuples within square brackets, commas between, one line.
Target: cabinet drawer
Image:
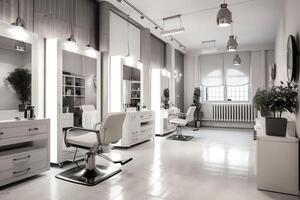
[(21, 172), (21, 159), (23, 131)]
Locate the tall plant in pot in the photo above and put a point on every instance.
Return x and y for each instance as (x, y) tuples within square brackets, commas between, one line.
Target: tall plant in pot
[(197, 103), (166, 98), (20, 80)]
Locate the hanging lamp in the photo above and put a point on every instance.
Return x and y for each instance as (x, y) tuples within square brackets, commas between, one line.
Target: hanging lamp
[(224, 16), (237, 60), (232, 43)]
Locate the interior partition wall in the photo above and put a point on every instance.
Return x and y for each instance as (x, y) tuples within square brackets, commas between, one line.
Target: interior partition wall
[(179, 80)]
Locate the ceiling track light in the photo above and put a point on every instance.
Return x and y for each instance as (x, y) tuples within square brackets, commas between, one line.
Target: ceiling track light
[(224, 16), (156, 26), (237, 60), (20, 46)]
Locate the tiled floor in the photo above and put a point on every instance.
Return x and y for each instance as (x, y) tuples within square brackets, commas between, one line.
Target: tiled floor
[(216, 164)]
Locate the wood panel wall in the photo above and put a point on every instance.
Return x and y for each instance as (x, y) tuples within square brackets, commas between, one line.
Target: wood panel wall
[(52, 18)]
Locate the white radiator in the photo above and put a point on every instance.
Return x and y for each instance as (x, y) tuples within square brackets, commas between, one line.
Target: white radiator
[(233, 112)]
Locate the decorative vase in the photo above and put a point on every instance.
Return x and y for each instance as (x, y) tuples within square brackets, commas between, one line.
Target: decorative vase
[(276, 126)]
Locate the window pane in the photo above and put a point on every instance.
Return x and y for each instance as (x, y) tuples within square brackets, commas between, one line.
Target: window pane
[(215, 93), (238, 93)]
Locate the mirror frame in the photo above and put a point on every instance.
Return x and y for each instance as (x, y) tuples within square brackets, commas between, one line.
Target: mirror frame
[(292, 55), (37, 67)]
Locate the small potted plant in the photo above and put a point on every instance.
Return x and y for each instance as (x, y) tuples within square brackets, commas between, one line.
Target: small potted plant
[(166, 98), (197, 103), (20, 80), (283, 98)]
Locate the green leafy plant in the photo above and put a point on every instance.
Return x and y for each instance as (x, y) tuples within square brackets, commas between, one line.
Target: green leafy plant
[(278, 99), (197, 103), (20, 80), (166, 98)]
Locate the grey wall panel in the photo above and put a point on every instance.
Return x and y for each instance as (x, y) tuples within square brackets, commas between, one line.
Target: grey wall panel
[(51, 18), (157, 52)]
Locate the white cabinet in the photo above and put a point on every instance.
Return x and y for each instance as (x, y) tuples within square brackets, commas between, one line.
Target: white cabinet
[(24, 149), (277, 161), (123, 36), (137, 127)]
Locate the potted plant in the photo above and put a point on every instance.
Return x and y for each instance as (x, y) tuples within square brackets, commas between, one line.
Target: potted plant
[(273, 102), (20, 80), (262, 101), (197, 103), (283, 99), (166, 98)]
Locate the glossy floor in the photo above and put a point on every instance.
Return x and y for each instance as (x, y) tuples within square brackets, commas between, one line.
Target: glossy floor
[(216, 164)]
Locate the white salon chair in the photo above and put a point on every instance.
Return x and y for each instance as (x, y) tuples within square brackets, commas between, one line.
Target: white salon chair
[(105, 133), (180, 120)]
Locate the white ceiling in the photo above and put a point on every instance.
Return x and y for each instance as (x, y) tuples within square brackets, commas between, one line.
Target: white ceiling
[(255, 21)]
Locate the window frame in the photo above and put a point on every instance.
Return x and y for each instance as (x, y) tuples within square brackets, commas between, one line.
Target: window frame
[(225, 100)]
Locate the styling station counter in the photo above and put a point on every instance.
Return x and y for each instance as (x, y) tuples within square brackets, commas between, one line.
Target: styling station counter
[(137, 127), (24, 149), (276, 167), (162, 125)]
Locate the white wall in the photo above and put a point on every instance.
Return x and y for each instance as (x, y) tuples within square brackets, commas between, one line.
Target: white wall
[(9, 61), (289, 25)]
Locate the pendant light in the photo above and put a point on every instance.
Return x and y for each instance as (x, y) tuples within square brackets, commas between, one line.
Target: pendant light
[(232, 43), (90, 49), (224, 17), (237, 59), (19, 21), (70, 43)]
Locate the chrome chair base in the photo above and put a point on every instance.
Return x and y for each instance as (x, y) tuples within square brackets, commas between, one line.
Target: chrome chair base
[(180, 137), (89, 177)]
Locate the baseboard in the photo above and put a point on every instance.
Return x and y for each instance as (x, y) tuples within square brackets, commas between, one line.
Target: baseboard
[(245, 125)]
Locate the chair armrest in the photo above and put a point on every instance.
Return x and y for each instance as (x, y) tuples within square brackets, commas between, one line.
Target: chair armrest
[(97, 124), (79, 129)]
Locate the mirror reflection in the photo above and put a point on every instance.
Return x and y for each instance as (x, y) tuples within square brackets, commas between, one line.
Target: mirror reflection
[(15, 76), (79, 88), (131, 87)]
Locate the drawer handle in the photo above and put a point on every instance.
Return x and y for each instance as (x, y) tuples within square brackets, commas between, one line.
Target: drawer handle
[(22, 171), (16, 159), (33, 129)]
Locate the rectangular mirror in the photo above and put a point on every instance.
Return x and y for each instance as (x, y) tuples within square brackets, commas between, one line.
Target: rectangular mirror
[(15, 74), (79, 85), (131, 86)]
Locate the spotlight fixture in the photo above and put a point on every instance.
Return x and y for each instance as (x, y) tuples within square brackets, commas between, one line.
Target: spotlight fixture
[(173, 31), (20, 46), (224, 17), (142, 17), (237, 59), (232, 43), (156, 27)]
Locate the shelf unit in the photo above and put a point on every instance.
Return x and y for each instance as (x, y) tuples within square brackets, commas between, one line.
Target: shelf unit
[(135, 92), (74, 88)]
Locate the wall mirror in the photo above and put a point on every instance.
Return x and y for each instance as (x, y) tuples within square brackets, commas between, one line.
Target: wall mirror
[(79, 85), (15, 76), (131, 86), (165, 89), (292, 58), (22, 60)]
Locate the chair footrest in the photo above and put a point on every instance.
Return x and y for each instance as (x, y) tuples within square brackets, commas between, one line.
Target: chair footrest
[(123, 162)]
